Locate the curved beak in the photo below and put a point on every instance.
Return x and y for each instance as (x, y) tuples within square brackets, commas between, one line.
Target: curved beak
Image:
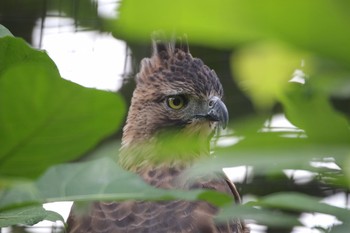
[(217, 111)]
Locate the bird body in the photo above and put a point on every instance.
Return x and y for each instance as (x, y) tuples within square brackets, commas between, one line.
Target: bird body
[(175, 109)]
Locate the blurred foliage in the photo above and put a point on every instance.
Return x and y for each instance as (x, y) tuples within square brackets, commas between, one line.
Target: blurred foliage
[(231, 22), (20, 19), (27, 216), (45, 120), (263, 70)]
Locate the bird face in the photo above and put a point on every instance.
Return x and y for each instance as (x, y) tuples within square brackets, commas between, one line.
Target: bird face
[(198, 115), (177, 96), (176, 92)]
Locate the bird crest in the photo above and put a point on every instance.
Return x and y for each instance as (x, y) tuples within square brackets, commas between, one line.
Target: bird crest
[(165, 51)]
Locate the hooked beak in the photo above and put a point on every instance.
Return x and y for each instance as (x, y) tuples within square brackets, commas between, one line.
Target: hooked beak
[(217, 111)]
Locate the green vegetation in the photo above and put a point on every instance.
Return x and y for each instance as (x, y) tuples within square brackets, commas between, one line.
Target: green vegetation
[(46, 121)]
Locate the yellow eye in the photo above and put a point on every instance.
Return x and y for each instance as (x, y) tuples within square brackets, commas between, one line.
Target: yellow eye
[(176, 102)]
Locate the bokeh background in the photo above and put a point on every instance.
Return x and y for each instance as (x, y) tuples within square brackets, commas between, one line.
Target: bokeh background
[(255, 48)]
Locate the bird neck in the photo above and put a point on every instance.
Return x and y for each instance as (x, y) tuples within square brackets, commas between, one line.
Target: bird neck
[(145, 143), (173, 150)]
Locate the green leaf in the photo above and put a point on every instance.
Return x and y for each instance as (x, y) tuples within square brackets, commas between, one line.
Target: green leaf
[(224, 23), (271, 152), (336, 84), (261, 216), (263, 70), (80, 182), (53, 216), (310, 110), (100, 179), (4, 31), (27, 216), (344, 228), (14, 51), (20, 195), (303, 203), (268, 210), (87, 181), (45, 120), (214, 24)]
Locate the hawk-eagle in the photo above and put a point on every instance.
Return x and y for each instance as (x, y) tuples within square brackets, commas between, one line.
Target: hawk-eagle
[(175, 93)]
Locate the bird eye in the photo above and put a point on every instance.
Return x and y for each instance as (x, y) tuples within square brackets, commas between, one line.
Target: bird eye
[(176, 102)]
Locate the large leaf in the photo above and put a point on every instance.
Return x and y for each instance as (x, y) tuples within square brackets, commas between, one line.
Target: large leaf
[(311, 110), (103, 180), (45, 120), (224, 23), (100, 179), (263, 70), (261, 216), (14, 51), (272, 152), (267, 210), (27, 216), (302, 203)]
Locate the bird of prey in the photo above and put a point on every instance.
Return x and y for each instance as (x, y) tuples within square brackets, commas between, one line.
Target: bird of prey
[(175, 93)]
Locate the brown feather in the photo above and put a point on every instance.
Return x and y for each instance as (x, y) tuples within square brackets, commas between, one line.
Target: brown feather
[(165, 216), (170, 71)]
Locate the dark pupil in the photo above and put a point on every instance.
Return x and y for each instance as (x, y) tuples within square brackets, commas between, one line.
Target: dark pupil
[(176, 101)]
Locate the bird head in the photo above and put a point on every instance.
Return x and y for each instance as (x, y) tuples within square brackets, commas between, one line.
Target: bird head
[(177, 96)]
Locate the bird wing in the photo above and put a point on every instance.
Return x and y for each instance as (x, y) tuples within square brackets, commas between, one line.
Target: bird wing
[(142, 216), (176, 216)]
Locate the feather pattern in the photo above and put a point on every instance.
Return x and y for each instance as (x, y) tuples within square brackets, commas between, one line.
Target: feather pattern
[(171, 71)]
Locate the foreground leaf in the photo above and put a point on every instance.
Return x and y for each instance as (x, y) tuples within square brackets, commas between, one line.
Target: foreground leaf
[(267, 217), (303, 203), (263, 70), (44, 119), (272, 152), (27, 216), (225, 23), (311, 110), (15, 51), (100, 179), (269, 210)]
